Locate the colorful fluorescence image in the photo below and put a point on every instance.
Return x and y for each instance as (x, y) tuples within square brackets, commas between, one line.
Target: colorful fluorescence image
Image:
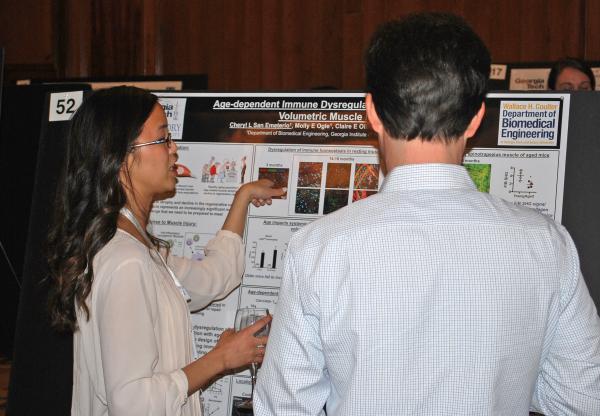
[(366, 176), (359, 194), (334, 200), (338, 175), (307, 201), (481, 174), (309, 174), (279, 177)]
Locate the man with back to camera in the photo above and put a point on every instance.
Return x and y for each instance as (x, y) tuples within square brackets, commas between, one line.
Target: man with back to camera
[(431, 298)]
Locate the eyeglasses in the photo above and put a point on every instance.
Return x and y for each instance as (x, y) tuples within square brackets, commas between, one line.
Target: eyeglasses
[(167, 139)]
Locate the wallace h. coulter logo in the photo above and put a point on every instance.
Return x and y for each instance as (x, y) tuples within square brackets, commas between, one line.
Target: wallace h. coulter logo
[(175, 112), (528, 123)]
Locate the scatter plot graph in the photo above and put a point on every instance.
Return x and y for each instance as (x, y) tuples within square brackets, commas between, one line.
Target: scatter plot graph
[(517, 181)]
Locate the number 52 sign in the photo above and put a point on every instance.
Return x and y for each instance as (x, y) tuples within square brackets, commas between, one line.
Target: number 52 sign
[(64, 104)]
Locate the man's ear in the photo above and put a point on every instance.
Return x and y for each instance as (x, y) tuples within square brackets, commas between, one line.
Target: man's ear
[(475, 122), (372, 116)]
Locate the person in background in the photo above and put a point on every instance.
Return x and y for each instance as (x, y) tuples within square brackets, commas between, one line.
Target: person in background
[(571, 74), (430, 297), (117, 287)]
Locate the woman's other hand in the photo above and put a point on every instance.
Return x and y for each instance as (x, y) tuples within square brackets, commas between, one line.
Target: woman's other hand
[(242, 348), (233, 350)]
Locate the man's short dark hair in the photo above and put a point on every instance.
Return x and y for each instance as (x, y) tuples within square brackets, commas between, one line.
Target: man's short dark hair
[(428, 76), (574, 63)]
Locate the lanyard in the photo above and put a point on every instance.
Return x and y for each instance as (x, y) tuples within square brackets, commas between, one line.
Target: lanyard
[(129, 215)]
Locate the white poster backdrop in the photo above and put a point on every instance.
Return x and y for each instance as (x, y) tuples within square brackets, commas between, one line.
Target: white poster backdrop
[(320, 177)]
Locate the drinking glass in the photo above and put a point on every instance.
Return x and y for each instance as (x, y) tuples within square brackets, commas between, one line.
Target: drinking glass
[(244, 318)]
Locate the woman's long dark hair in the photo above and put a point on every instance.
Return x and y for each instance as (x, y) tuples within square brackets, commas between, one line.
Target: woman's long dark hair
[(90, 194)]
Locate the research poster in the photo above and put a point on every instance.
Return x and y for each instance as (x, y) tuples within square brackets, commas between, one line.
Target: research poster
[(519, 154), (320, 147)]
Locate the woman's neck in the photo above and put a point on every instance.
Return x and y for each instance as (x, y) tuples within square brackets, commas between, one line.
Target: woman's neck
[(127, 225), (141, 214)]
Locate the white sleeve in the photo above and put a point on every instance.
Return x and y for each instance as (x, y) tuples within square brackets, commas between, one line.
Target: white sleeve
[(217, 274), (125, 309), (292, 380), (569, 379)]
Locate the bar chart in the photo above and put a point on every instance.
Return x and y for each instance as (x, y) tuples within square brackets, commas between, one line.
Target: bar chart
[(266, 245), (266, 252)]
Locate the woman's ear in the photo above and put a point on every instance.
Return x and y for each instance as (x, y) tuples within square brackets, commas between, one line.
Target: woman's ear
[(124, 171)]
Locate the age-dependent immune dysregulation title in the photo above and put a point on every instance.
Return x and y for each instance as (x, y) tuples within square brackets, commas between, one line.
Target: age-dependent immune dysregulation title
[(354, 109)]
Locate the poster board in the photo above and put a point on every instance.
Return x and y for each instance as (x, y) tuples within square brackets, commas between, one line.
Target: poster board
[(319, 146), (582, 197), (288, 148), (42, 366), (21, 125)]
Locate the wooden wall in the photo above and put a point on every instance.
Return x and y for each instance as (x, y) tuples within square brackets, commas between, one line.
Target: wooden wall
[(265, 44)]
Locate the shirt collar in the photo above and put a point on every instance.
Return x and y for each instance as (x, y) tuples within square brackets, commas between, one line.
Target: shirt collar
[(427, 176)]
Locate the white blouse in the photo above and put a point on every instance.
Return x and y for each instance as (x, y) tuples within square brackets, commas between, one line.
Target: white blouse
[(128, 357)]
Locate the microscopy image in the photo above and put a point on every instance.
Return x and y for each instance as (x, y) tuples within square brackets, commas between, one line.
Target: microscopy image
[(279, 177), (361, 194), (239, 407), (481, 174), (310, 173), (366, 176), (307, 201), (334, 200), (338, 175)]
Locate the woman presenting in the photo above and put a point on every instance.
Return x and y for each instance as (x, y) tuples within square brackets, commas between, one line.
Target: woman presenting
[(116, 286)]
